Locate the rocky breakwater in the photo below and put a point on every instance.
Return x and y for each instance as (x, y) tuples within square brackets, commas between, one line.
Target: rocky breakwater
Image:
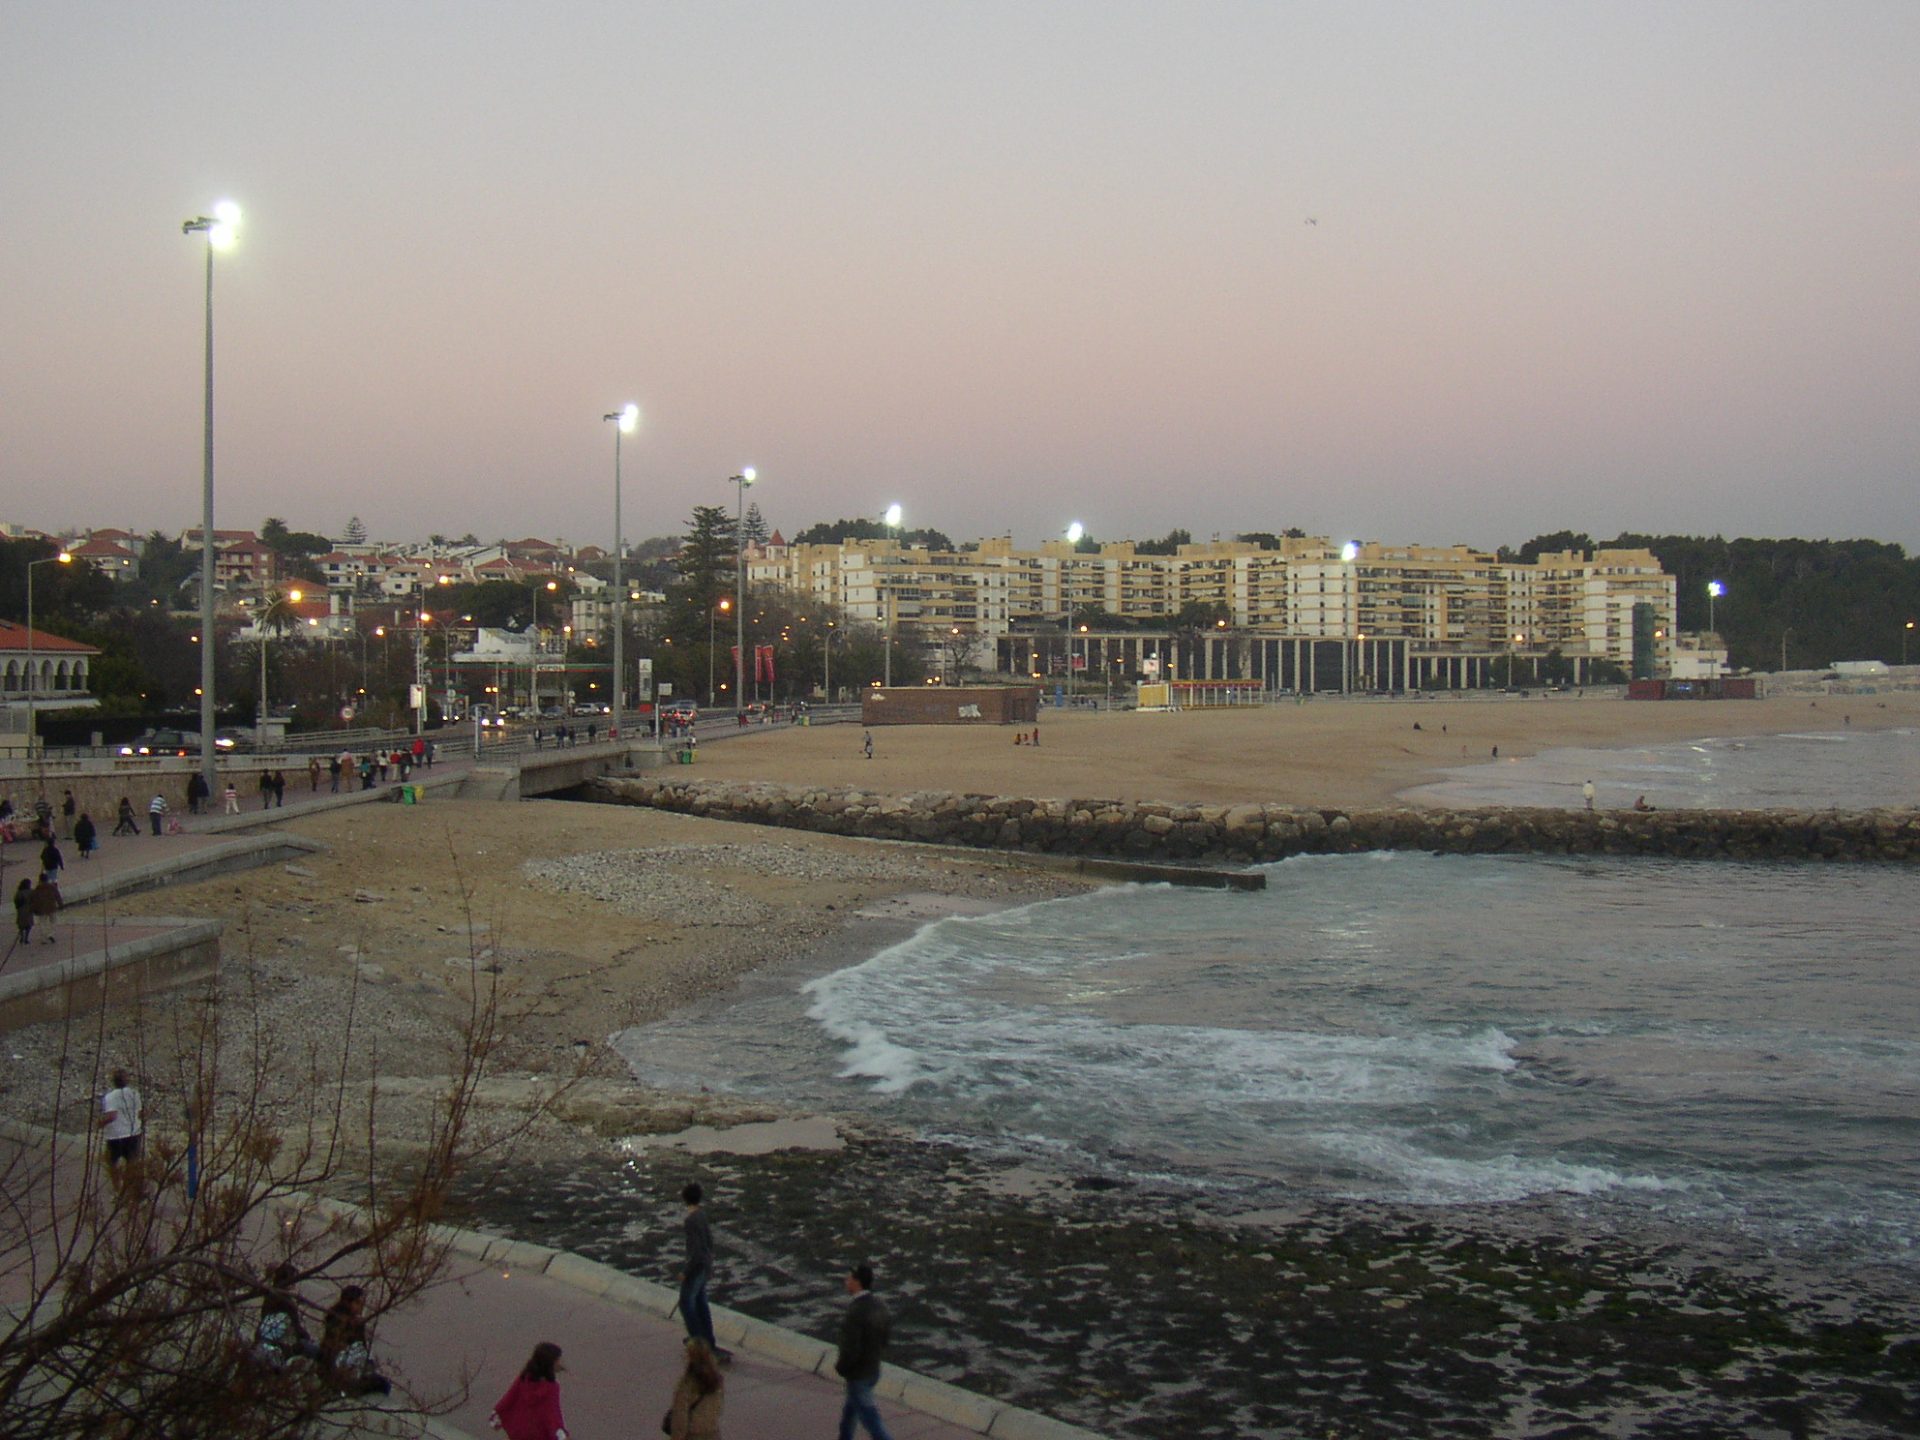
[(1143, 830)]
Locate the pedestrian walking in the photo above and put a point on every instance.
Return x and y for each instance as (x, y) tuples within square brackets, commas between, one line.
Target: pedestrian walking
[(699, 1397), (120, 1120), (530, 1410), (864, 1332), (86, 837), (68, 810), (279, 788), (52, 862), (694, 1310), (124, 823), (333, 776), (198, 792), (313, 773), (23, 912), (231, 799), (46, 904), (1586, 793), (266, 790), (157, 811), (868, 744)]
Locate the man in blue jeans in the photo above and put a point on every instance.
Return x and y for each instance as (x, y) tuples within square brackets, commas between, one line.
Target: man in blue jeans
[(863, 1337), (693, 1280)]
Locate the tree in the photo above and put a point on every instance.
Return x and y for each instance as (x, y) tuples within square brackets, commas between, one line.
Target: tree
[(143, 1286), (1169, 546), (845, 532), (753, 528), (1558, 541), (356, 531)]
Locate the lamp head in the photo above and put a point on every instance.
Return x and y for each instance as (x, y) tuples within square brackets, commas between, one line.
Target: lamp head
[(892, 517), (1349, 552), (1074, 532), (1716, 589)]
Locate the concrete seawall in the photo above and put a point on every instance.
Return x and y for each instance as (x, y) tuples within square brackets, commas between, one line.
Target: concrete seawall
[(1140, 830)]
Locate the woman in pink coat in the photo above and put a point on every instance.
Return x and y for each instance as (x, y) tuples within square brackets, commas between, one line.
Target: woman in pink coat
[(530, 1410)]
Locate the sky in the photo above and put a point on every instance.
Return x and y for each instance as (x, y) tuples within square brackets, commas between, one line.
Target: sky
[(1410, 272)]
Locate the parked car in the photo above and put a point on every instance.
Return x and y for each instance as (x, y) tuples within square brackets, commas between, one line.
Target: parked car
[(682, 712)]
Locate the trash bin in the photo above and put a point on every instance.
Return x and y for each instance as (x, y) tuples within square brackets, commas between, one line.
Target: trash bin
[(409, 794), (686, 757)]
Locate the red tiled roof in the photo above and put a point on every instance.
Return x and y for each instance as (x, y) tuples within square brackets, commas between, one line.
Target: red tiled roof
[(106, 549), (13, 637)]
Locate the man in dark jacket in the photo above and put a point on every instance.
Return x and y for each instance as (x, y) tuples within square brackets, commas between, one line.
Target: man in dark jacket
[(863, 1338), (693, 1280)]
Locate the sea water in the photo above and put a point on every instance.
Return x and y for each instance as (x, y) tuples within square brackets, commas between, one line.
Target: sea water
[(1733, 1046)]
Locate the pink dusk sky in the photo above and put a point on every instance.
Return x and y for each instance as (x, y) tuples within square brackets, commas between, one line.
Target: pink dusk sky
[(1409, 272)]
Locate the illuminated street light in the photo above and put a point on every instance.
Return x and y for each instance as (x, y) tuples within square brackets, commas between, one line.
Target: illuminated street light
[(892, 521), (1714, 591), (722, 607), (219, 229), (33, 677), (626, 421), (741, 481)]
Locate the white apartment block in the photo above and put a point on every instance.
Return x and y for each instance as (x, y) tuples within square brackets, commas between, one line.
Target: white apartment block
[(1309, 615)]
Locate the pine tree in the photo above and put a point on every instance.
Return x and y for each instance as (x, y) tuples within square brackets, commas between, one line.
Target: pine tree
[(356, 531)]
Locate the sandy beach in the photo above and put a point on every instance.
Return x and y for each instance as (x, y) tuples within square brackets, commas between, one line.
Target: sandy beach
[(1326, 752)]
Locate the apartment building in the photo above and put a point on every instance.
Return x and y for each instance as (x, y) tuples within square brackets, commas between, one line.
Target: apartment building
[(1309, 614)]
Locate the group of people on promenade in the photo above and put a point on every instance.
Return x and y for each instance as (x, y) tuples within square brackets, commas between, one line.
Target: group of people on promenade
[(36, 902), (530, 1409)]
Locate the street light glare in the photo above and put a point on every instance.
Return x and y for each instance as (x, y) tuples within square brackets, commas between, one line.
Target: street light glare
[(227, 213), (892, 517), (1716, 589), (749, 474), (629, 419), (1349, 552), (220, 236), (1074, 532)]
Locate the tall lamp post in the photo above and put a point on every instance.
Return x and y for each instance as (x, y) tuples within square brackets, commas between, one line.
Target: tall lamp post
[(1714, 591), (724, 604), (741, 481), (1906, 631), (219, 229), (33, 675), (892, 521), (533, 664), (625, 421), (267, 620)]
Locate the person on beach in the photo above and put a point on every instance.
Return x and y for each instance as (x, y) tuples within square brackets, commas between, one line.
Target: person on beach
[(868, 744), (86, 836), (344, 1349), (23, 912), (1586, 793), (694, 1310), (864, 1331), (46, 904), (120, 1121), (530, 1410), (699, 1397), (157, 811), (125, 824)]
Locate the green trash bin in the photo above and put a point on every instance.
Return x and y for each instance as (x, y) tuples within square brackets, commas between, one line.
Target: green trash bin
[(409, 794)]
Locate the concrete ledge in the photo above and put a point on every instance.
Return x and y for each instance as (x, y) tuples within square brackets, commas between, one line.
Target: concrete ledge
[(946, 1402), (648, 1296), (788, 1347), (589, 1277)]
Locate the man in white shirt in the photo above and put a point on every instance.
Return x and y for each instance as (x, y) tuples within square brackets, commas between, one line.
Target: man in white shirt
[(120, 1118)]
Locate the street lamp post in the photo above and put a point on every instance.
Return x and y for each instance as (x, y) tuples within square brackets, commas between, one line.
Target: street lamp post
[(626, 421), (712, 611), (892, 521), (219, 229), (1714, 591), (533, 661), (263, 621), (33, 676), (741, 481), (1905, 631)]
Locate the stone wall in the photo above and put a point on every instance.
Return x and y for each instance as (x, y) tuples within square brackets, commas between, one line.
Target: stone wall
[(1139, 830)]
